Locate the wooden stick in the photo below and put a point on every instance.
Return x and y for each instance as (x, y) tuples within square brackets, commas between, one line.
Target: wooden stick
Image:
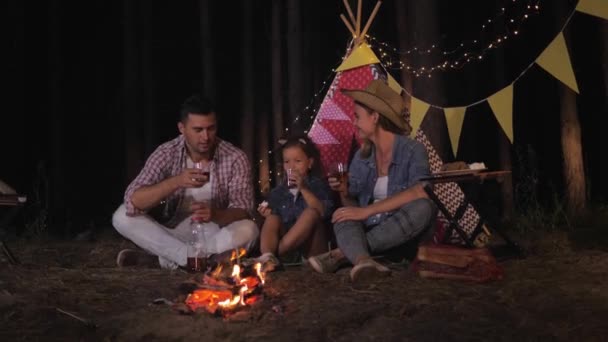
[(370, 19), (9, 255), (87, 322), (359, 18), (348, 25), (350, 12), (485, 229)]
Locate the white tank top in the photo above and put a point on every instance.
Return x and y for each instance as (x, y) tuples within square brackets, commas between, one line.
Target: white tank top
[(381, 188)]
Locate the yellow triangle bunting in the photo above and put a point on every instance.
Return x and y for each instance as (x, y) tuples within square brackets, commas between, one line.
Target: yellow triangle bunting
[(598, 8), (454, 118), (556, 61), (362, 55), (502, 106), (417, 112)]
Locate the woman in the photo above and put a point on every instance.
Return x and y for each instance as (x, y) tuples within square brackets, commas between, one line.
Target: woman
[(384, 203)]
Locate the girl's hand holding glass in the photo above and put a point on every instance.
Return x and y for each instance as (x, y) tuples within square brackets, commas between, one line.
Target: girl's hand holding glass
[(264, 210)]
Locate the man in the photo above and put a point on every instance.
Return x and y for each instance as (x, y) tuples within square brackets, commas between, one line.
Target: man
[(169, 191)]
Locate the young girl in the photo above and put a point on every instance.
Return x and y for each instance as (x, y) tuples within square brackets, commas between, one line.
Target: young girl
[(296, 209)]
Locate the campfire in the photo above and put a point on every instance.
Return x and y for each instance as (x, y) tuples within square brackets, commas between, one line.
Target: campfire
[(229, 282)]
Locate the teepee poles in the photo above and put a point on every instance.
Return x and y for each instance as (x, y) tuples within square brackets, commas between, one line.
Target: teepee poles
[(371, 18), (354, 25), (350, 12), (348, 26), (359, 18)]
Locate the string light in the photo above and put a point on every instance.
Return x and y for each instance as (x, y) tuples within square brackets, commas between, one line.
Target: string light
[(455, 58)]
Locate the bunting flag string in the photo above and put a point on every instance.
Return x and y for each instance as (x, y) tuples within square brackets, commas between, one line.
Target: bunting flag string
[(555, 59), (454, 118), (598, 8)]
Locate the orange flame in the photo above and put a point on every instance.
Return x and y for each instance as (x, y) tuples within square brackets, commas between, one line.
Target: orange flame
[(212, 299), (236, 274), (258, 271), (238, 253)]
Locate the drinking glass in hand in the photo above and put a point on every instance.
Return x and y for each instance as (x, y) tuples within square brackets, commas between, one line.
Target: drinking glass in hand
[(291, 183), (339, 172), (204, 171)]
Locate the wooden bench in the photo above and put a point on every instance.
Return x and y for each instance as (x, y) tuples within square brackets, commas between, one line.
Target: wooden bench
[(15, 201)]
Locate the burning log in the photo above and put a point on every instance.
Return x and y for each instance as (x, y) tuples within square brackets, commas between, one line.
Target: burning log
[(231, 282)]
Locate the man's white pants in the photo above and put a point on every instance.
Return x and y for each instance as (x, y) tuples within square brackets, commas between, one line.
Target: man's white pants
[(170, 245)]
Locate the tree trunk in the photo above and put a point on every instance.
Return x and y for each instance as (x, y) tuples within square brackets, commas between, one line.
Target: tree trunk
[(207, 51), (403, 34), (133, 138), (57, 163), (277, 82), (247, 123), (572, 151), (148, 75), (264, 167), (294, 59), (574, 172), (423, 27), (504, 145), (506, 187), (604, 53)]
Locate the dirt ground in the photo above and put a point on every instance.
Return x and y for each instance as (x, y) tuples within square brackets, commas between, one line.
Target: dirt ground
[(556, 293)]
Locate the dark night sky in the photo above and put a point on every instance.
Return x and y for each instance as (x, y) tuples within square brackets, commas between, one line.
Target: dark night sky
[(67, 101)]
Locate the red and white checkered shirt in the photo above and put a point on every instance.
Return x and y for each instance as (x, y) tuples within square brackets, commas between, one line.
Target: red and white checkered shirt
[(231, 185)]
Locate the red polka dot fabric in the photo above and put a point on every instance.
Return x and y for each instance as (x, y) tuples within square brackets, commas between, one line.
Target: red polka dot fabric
[(334, 119), (330, 111)]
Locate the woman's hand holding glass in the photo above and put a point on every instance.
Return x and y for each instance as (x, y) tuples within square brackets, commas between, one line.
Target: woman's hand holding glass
[(337, 177)]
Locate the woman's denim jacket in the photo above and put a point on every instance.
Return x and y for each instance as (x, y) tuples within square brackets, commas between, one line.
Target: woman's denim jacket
[(410, 163)]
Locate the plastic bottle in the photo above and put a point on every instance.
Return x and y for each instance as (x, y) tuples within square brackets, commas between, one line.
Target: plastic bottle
[(197, 251)]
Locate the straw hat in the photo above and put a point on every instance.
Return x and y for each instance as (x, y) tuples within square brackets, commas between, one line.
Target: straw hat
[(381, 98)]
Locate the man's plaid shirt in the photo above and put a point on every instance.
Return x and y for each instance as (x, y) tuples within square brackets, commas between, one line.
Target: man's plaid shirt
[(231, 184)]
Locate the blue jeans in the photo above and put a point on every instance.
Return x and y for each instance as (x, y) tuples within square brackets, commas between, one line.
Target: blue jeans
[(355, 240)]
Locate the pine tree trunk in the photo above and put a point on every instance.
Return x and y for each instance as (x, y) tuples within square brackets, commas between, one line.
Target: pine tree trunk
[(506, 187), (604, 53), (572, 150), (148, 75), (133, 138), (57, 164), (403, 33), (263, 127), (504, 145), (423, 26), (277, 83), (247, 123), (294, 59), (207, 59), (574, 172)]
